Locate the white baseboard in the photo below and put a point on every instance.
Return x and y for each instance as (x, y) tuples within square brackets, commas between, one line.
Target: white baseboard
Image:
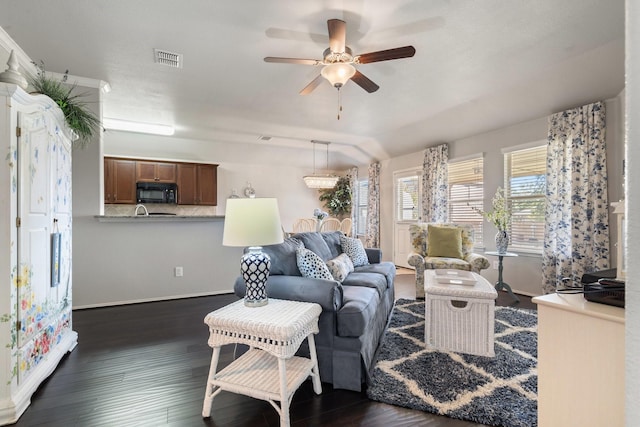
[(137, 301)]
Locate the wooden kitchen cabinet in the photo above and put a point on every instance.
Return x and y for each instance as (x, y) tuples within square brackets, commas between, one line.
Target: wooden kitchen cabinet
[(155, 172), (119, 181), (197, 184)]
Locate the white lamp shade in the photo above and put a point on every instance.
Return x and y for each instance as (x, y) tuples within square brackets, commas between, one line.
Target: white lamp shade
[(252, 222), (338, 74)]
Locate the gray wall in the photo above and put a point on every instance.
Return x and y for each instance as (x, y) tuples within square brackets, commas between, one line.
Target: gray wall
[(131, 262), (522, 273)]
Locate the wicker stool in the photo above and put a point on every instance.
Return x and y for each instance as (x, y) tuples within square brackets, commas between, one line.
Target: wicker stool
[(459, 317)]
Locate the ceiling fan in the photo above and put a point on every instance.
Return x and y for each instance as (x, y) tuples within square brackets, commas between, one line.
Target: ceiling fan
[(338, 60)]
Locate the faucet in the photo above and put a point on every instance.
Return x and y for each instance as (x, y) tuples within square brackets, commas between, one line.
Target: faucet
[(144, 209)]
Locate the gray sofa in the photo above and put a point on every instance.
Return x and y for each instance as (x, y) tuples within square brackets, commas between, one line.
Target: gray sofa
[(354, 312)]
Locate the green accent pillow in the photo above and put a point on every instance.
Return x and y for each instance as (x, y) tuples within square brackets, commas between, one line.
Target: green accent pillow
[(444, 242)]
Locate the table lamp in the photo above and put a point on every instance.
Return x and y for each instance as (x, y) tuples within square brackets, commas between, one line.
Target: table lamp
[(253, 223)]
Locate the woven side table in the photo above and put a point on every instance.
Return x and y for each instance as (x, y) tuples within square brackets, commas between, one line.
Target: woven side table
[(268, 370), (460, 317)]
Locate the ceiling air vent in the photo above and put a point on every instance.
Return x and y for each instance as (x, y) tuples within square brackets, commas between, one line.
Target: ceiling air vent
[(169, 59), (264, 138)]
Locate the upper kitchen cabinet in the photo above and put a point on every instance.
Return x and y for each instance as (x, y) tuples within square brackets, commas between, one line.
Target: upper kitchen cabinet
[(119, 180), (197, 184), (155, 172)]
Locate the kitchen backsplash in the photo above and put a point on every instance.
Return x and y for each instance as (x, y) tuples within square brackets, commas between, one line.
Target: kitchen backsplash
[(186, 210)]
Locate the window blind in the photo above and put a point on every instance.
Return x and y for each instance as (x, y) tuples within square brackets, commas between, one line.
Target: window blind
[(525, 172), (361, 206), (407, 198), (466, 191)]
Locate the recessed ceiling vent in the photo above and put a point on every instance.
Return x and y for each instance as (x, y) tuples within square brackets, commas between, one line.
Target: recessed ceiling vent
[(169, 59), (264, 138)]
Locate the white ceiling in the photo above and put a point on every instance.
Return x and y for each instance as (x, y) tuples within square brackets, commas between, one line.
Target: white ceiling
[(480, 65)]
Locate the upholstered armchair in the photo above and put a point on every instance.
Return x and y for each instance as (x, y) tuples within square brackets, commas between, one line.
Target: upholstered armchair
[(449, 246)]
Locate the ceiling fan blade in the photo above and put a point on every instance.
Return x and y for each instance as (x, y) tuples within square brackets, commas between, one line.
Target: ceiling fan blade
[(364, 82), (311, 86), (386, 55), (337, 35), (292, 60)]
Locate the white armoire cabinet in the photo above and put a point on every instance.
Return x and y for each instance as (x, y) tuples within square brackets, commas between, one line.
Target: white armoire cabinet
[(35, 230)]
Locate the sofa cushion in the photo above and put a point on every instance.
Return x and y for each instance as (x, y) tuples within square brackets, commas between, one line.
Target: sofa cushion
[(340, 267), (311, 265), (283, 257), (367, 280), (358, 310), (316, 244), (355, 250), (386, 268), (444, 242), (332, 238), (442, 262)]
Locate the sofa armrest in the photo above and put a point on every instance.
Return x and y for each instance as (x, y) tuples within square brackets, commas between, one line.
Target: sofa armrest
[(478, 262), (374, 255), (327, 293), (417, 261)]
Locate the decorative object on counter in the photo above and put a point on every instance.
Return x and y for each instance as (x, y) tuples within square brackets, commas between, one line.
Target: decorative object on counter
[(337, 200), (319, 215), (500, 217), (319, 181), (249, 191), (253, 223), (78, 116), (12, 75), (234, 194)]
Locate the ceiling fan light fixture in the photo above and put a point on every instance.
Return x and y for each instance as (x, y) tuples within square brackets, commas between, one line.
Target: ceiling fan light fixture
[(338, 74)]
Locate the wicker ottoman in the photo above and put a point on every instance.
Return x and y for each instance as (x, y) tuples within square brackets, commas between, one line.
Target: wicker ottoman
[(459, 317)]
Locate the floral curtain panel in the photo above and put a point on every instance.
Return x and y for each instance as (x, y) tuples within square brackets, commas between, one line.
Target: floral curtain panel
[(373, 207), (576, 238), (353, 183), (435, 186)]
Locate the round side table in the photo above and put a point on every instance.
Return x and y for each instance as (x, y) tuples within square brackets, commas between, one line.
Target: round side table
[(500, 284)]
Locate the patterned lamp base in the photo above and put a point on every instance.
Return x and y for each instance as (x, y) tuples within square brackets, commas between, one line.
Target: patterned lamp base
[(255, 266)]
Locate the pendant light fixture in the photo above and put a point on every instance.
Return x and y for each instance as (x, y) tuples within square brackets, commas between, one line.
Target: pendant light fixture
[(319, 181)]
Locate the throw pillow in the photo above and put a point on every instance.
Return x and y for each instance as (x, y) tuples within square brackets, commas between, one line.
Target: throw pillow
[(444, 242), (355, 250), (311, 265), (340, 267)]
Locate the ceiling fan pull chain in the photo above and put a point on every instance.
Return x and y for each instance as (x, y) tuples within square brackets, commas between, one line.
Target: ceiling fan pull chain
[(339, 103)]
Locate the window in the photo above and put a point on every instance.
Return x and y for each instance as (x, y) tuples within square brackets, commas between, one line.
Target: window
[(525, 187), (466, 191), (407, 196), (362, 196)]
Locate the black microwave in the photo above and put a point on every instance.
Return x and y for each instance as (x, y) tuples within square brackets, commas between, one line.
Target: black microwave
[(156, 192)]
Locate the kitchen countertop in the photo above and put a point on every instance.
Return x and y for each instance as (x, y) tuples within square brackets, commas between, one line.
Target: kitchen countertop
[(159, 218)]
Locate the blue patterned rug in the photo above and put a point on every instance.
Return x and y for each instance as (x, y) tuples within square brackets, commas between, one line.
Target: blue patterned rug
[(496, 391)]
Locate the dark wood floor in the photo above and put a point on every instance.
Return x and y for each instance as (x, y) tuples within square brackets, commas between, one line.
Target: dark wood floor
[(146, 365)]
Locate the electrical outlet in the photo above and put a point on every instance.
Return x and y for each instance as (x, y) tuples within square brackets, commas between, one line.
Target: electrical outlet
[(495, 265), (178, 272)]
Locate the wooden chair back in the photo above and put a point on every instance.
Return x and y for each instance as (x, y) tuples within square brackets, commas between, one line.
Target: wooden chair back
[(302, 225), (330, 224), (345, 226)]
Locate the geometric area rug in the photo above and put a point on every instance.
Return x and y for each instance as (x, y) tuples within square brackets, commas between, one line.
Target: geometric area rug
[(496, 391)]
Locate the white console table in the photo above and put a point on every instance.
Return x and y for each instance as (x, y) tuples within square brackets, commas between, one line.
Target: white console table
[(580, 362)]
